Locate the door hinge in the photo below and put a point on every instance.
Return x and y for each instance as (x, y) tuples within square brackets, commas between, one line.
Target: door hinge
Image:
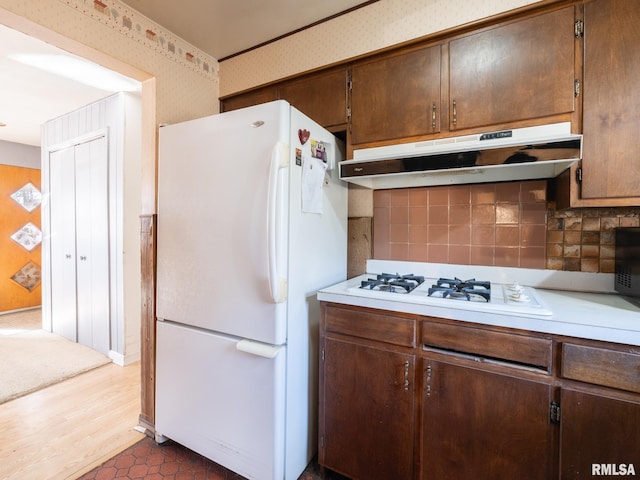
[(579, 174), (578, 28), (554, 412), (576, 88)]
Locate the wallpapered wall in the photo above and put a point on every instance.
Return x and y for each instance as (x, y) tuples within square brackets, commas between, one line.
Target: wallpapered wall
[(187, 79), (379, 25)]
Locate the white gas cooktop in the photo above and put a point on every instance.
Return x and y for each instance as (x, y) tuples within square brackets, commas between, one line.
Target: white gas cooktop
[(512, 299)]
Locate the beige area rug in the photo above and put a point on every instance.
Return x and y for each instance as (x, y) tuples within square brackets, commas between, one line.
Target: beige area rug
[(31, 358)]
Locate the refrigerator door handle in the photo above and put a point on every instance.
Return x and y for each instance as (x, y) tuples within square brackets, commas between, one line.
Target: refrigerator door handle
[(260, 349), (279, 161)]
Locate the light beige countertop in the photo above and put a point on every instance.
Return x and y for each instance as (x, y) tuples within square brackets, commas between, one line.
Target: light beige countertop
[(596, 313)]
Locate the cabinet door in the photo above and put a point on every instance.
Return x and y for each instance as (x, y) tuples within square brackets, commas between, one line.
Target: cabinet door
[(63, 242), (479, 424), (611, 100), (323, 97), (519, 71), (367, 428), (92, 237), (396, 96), (248, 99), (597, 430)]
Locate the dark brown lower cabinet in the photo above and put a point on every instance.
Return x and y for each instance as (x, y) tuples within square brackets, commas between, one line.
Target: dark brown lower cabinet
[(408, 397), (484, 425), (598, 434), (367, 431)]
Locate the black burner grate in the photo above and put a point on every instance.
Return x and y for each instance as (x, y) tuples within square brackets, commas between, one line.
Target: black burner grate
[(394, 283), (457, 289)]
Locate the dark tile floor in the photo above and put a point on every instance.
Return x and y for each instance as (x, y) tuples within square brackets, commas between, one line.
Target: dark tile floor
[(170, 461)]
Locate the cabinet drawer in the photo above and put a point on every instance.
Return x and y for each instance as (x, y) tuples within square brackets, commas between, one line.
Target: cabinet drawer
[(509, 347), (601, 366), (391, 329)]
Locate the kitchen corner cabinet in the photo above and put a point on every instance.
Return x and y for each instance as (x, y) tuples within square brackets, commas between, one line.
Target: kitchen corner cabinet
[(367, 394), (598, 429), (609, 174), (419, 398), (321, 96), (247, 99), (600, 400), (396, 96), (522, 70)]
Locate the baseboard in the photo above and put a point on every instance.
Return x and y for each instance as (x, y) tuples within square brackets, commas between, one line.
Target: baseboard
[(20, 310), (123, 360)]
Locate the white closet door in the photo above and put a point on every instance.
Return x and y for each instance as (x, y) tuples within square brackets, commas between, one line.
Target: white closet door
[(92, 244), (63, 242)]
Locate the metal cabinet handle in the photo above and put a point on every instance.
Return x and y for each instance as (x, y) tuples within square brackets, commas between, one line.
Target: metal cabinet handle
[(82, 257), (68, 255), (406, 375), (455, 113), (433, 116)]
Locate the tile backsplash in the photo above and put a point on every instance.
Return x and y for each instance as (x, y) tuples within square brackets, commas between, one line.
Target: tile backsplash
[(583, 239), (503, 224)]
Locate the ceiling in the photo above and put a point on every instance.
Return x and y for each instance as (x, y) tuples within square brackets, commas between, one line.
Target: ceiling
[(29, 96), (222, 27)]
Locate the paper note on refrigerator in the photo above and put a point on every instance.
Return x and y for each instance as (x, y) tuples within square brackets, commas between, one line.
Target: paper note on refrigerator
[(313, 170)]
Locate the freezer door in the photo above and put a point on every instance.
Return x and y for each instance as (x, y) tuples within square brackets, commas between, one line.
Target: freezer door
[(222, 187), (222, 401)]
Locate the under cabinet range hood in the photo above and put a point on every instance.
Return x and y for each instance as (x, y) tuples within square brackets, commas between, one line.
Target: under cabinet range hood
[(519, 154)]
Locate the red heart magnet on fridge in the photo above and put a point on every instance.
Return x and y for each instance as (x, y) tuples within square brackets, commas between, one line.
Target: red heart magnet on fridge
[(303, 135)]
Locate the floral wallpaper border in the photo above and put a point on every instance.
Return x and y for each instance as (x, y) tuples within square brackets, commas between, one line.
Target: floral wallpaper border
[(136, 26)]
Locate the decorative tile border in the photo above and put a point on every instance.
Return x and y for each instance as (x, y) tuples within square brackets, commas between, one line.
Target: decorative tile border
[(28, 237), (28, 197), (28, 276), (136, 26)]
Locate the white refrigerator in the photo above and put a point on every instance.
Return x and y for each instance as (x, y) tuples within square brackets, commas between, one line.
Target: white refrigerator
[(252, 221)]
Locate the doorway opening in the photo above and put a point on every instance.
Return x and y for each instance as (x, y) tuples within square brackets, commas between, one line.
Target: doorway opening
[(147, 81)]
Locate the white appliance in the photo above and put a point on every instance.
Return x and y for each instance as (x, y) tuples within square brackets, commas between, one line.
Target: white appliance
[(451, 292), (543, 151), (252, 221)]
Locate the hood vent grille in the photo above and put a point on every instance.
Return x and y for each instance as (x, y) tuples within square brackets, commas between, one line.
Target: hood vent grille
[(509, 155)]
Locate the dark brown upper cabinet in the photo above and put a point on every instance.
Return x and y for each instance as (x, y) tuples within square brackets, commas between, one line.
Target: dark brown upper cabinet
[(253, 97), (322, 96), (611, 104), (518, 71), (397, 96)]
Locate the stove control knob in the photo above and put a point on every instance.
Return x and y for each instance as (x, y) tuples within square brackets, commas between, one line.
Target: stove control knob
[(516, 287)]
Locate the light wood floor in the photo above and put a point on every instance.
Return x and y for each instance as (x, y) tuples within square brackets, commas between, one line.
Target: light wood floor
[(67, 429)]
